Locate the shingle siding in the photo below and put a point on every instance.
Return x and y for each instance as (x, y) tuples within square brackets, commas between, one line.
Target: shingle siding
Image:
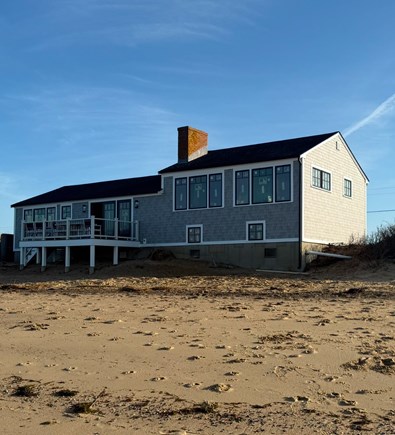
[(161, 225), (330, 216)]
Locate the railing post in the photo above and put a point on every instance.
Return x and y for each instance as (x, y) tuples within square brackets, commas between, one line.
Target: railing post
[(23, 230), (116, 228), (92, 227), (67, 228), (44, 229)]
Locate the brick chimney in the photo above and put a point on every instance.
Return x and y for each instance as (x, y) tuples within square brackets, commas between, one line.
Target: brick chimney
[(192, 144)]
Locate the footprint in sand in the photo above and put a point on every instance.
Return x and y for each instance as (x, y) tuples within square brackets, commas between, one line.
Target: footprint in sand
[(220, 388), (158, 378)]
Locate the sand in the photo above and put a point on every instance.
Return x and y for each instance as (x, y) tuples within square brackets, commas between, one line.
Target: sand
[(181, 348)]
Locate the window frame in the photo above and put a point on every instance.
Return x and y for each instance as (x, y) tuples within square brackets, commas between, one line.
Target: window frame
[(25, 213), (61, 211), (54, 214), (347, 188), (248, 171), (190, 184), (249, 224), (191, 227), (36, 211), (290, 183), (221, 190), (186, 193), (253, 180), (320, 179)]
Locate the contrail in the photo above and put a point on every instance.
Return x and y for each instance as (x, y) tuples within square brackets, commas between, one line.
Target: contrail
[(381, 110)]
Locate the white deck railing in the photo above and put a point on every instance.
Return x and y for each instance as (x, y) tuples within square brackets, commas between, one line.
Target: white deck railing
[(89, 228)]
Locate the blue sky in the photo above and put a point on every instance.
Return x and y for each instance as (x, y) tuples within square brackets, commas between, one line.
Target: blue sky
[(93, 90)]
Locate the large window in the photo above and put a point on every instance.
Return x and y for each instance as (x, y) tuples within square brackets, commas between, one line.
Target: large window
[(283, 183), (215, 190), (198, 192), (347, 188), (262, 185), (242, 187), (321, 179), (66, 212), (28, 215), (181, 193), (255, 231), (39, 214), (51, 213), (194, 234)]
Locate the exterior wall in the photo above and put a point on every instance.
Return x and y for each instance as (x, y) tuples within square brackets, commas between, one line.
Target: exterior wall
[(330, 217), (160, 224), (246, 255), (18, 216)]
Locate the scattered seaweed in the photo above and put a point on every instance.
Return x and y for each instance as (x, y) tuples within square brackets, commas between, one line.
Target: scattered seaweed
[(28, 390)]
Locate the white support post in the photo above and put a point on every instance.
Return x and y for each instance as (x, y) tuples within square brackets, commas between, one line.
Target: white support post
[(44, 228), (67, 259), (116, 256), (92, 259), (67, 228), (38, 256), (22, 258), (92, 227), (43, 259)]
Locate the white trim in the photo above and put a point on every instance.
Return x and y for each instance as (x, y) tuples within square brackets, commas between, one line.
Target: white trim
[(248, 223), (224, 242), (319, 242), (301, 193), (79, 242), (201, 234), (70, 204)]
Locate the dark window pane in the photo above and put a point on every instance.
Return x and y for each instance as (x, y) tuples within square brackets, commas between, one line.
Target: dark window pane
[(255, 232), (215, 192), (51, 212), (347, 188), (283, 183), (198, 192), (242, 187), (181, 194), (321, 179), (194, 235), (28, 215), (262, 185), (39, 214), (66, 212)]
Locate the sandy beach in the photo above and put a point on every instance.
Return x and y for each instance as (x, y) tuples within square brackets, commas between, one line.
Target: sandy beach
[(178, 347)]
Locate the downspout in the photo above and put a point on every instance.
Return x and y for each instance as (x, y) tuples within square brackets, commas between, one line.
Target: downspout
[(301, 177)]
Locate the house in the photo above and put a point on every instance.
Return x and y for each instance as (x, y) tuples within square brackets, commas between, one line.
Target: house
[(258, 206)]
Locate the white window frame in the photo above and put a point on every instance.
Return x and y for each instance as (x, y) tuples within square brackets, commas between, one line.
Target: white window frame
[(344, 188), (61, 210), (248, 223), (187, 234), (198, 173), (322, 170)]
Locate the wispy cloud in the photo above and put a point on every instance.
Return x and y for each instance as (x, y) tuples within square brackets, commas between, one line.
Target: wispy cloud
[(380, 111)]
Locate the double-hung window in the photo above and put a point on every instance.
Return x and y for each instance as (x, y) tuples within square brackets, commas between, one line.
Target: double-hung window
[(181, 194), (39, 214), (198, 192), (347, 188), (51, 212), (321, 179), (262, 185), (242, 187), (28, 215)]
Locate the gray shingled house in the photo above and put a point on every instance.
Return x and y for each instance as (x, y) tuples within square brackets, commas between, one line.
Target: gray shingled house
[(258, 206)]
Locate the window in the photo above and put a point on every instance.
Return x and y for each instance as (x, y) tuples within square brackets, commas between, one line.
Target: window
[(255, 231), (215, 190), (66, 212), (283, 183), (194, 234), (321, 179), (262, 185), (39, 214), (198, 192), (242, 187), (347, 188), (181, 194), (28, 215), (51, 213)]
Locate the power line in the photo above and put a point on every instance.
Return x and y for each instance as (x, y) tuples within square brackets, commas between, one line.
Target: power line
[(380, 211)]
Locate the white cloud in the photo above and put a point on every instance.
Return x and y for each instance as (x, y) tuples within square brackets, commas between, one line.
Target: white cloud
[(379, 112)]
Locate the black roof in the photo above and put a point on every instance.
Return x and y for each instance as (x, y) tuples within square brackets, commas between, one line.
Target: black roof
[(103, 189), (262, 152)]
